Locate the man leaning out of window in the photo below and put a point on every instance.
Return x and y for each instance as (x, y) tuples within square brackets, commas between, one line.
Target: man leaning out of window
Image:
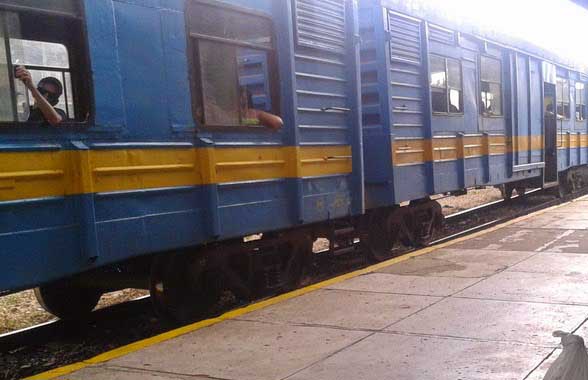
[(46, 95)]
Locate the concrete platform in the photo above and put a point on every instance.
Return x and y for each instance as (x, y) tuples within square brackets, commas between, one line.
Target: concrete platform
[(483, 307)]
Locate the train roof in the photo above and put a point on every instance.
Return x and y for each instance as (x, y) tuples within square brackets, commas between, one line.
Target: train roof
[(436, 13)]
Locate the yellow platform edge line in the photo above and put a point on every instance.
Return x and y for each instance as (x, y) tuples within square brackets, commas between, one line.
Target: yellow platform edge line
[(139, 345)]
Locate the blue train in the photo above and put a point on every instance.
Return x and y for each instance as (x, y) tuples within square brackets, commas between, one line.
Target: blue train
[(206, 144)]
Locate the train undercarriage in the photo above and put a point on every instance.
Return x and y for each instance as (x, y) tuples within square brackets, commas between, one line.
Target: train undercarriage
[(188, 284)]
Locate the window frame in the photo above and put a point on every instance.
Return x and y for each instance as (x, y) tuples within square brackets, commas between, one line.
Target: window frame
[(195, 70), (82, 74), (483, 113), (583, 104), (563, 103), (447, 87)]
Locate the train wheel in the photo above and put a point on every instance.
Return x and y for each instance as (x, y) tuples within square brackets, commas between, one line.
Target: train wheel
[(428, 218), (506, 191), (385, 229), (298, 262), (66, 300), (182, 287), (561, 190), (521, 190)]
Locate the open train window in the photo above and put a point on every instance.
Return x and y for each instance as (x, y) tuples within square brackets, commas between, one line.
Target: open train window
[(46, 37), (562, 95), (446, 85), (491, 86), (233, 67), (580, 101)]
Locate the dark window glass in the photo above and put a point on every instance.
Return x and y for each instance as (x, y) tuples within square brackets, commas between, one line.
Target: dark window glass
[(580, 101), (455, 87), (439, 99), (491, 86), (233, 66), (446, 85), (566, 109), (563, 98), (454, 73)]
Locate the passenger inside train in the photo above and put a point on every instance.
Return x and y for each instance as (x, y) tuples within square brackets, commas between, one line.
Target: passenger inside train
[(46, 95)]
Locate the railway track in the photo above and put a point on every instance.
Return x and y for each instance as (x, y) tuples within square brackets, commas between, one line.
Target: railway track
[(57, 343), (519, 206)]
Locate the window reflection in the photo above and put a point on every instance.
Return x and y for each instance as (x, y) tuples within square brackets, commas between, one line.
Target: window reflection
[(491, 86), (438, 75), (446, 85), (455, 101), (562, 92), (580, 101)]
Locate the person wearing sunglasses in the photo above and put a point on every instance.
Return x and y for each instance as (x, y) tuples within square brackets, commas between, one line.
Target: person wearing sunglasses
[(46, 95)]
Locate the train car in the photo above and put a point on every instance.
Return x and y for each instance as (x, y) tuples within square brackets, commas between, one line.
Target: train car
[(448, 106), (164, 159), (203, 145)]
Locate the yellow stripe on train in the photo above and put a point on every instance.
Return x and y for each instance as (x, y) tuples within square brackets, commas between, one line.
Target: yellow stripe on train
[(26, 175), (413, 151)]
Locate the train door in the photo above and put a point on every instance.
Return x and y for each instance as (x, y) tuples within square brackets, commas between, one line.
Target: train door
[(550, 132)]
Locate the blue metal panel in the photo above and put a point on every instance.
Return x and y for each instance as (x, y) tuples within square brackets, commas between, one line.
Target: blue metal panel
[(179, 108), (104, 56), (375, 69), (39, 240), (142, 69), (252, 207), (327, 84), (474, 172), (326, 198), (447, 176), (33, 257), (357, 190), (411, 182), (148, 221)]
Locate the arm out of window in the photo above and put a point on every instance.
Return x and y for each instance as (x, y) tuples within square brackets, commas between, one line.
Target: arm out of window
[(47, 109)]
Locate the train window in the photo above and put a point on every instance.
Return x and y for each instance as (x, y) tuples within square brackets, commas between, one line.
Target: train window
[(562, 91), (233, 67), (580, 101), (446, 85), (46, 40), (43, 60), (491, 86), (438, 84)]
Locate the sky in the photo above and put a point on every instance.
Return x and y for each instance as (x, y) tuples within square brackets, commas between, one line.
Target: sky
[(559, 26)]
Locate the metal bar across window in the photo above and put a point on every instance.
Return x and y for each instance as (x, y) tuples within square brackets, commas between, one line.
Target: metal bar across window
[(230, 41), (47, 68)]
